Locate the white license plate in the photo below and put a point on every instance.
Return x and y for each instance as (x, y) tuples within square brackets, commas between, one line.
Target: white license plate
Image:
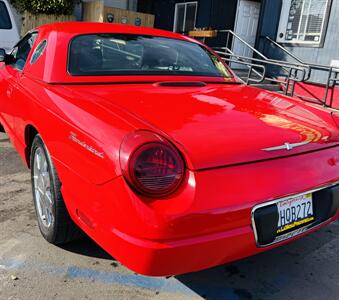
[(295, 212)]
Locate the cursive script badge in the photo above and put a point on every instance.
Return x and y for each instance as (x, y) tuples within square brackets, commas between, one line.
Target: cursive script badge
[(73, 137)]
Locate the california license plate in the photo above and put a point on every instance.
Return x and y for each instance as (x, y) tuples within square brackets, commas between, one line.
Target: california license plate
[(295, 212)]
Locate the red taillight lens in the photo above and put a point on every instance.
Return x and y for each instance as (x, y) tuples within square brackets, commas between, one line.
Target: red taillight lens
[(154, 169)]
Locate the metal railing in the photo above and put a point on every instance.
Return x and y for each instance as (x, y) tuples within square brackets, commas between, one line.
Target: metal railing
[(332, 79), (290, 73), (291, 70)]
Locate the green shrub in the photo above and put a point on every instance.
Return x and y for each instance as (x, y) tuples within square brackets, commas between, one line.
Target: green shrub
[(50, 7)]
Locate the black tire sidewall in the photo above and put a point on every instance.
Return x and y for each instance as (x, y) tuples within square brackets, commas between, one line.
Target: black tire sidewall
[(48, 233)]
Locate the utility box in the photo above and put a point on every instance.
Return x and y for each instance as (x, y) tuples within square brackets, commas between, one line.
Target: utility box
[(96, 11)]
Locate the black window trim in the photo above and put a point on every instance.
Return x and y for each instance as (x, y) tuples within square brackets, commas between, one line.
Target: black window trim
[(26, 36), (139, 74)]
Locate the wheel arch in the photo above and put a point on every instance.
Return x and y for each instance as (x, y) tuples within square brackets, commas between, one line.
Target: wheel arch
[(30, 133)]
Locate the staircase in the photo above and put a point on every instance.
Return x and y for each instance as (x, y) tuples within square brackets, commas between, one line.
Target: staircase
[(294, 77)]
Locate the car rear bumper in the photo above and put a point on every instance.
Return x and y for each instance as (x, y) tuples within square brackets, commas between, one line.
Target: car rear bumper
[(161, 258), (205, 224)]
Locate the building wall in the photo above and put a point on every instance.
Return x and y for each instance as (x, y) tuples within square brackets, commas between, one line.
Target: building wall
[(222, 16), (217, 14), (123, 4), (164, 14), (324, 55)]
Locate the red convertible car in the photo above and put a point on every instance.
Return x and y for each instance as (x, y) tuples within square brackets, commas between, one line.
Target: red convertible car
[(146, 141)]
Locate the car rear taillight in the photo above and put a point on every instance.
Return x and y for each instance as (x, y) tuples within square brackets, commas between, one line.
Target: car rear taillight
[(154, 167)]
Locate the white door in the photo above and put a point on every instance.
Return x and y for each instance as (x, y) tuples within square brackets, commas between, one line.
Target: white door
[(246, 25)]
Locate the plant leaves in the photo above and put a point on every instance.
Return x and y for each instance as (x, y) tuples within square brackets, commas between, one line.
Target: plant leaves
[(50, 7)]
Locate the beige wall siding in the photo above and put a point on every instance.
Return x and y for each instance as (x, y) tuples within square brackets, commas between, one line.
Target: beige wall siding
[(96, 11), (93, 11), (147, 20)]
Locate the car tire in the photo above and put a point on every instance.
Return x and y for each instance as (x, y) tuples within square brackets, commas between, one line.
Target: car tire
[(54, 221)]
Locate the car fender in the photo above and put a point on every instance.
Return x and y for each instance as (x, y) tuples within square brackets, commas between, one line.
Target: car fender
[(86, 144)]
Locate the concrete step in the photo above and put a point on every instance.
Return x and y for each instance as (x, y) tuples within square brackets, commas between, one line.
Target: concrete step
[(244, 75), (266, 81), (268, 86)]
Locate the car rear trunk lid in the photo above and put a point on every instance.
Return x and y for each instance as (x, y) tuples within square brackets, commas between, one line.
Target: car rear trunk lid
[(218, 125)]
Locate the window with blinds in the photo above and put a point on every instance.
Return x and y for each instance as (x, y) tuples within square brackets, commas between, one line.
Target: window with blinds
[(303, 21)]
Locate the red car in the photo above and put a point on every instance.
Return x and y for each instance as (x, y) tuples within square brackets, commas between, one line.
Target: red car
[(146, 141)]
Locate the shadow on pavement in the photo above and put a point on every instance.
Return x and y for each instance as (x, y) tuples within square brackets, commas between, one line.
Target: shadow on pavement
[(275, 274), (87, 247), (282, 273)]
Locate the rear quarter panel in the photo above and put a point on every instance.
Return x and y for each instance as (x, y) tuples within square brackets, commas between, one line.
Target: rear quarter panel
[(59, 118)]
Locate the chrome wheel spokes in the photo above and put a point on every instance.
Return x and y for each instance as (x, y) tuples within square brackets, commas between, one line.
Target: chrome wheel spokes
[(42, 188)]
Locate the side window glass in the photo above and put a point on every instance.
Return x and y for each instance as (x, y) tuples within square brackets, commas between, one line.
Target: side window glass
[(39, 50), (22, 50)]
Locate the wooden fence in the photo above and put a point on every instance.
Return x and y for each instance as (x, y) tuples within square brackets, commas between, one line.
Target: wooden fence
[(31, 21), (95, 11)]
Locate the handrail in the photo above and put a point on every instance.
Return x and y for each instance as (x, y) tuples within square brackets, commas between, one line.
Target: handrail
[(330, 82), (304, 64), (243, 41), (285, 68), (290, 68), (230, 54), (277, 62), (251, 66), (284, 50), (319, 67), (274, 63)]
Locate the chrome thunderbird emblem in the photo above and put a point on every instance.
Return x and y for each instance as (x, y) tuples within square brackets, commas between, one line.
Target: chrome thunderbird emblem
[(287, 146)]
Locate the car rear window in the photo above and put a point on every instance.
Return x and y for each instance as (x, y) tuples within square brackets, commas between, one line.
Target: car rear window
[(5, 21), (127, 54)]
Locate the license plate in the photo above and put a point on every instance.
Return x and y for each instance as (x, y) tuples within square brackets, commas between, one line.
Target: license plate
[(295, 212)]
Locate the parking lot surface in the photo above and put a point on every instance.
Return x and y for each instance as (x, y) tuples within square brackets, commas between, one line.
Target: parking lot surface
[(30, 268)]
